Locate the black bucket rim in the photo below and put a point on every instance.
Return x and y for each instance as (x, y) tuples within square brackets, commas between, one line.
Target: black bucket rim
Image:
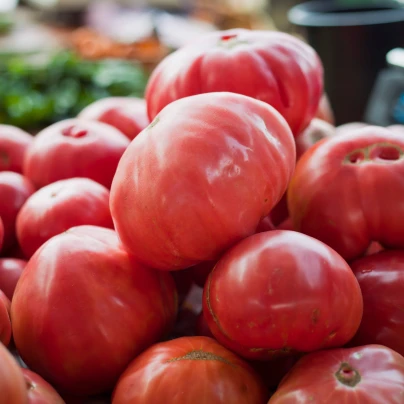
[(330, 14)]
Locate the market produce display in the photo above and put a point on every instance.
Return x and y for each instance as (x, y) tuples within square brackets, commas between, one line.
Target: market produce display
[(235, 248)]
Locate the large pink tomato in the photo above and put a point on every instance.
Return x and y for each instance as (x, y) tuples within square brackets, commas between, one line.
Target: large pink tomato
[(370, 374), (189, 370), (347, 191), (273, 67), (12, 385), (281, 292), (10, 272), (75, 148), (84, 308), (14, 191), (200, 178), (128, 114), (14, 143), (59, 206), (381, 278)]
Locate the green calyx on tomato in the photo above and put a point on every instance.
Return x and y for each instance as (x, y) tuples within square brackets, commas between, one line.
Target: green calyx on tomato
[(347, 375)]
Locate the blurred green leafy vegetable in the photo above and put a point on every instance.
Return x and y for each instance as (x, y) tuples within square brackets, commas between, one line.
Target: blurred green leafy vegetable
[(33, 96)]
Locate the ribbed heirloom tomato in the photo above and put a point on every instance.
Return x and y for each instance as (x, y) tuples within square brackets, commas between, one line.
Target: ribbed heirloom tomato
[(189, 370), (371, 374), (200, 178), (281, 292), (57, 207), (75, 148), (347, 191), (10, 272), (5, 323), (128, 114), (83, 309), (273, 67), (381, 278)]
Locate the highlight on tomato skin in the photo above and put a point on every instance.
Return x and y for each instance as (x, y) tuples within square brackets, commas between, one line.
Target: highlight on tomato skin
[(203, 372), (187, 189), (273, 67), (251, 308), (341, 188), (370, 374)]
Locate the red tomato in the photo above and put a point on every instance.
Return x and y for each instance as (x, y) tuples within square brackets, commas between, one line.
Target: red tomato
[(91, 310), (5, 323), (14, 143), (202, 327), (14, 191), (10, 272), (281, 292), (200, 178), (40, 391), (342, 187), (316, 131), (371, 374), (324, 111), (381, 278), (60, 206), (273, 67), (128, 114), (75, 148), (1, 233), (374, 248), (189, 370), (12, 384), (286, 225)]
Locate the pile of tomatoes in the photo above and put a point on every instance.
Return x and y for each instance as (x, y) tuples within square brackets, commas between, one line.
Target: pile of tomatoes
[(218, 242)]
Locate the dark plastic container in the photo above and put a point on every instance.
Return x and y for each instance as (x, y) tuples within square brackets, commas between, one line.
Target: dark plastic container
[(352, 42)]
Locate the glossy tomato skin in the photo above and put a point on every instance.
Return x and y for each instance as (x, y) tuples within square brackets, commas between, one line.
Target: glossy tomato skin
[(39, 390), (14, 143), (10, 272), (14, 190), (342, 186), (75, 148), (127, 114), (200, 178), (349, 127), (189, 370), (12, 384), (273, 67), (79, 278), (59, 206), (5, 323), (371, 374), (381, 278), (252, 308)]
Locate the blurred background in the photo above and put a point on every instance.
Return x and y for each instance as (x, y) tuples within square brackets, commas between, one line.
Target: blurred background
[(57, 56)]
